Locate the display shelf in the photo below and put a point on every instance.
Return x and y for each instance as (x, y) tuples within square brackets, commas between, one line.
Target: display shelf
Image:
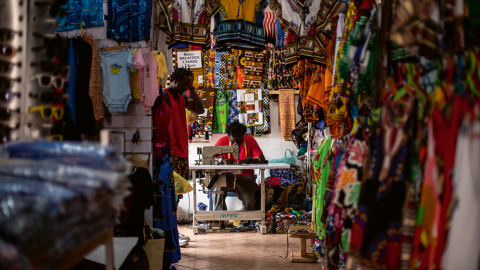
[(76, 256)]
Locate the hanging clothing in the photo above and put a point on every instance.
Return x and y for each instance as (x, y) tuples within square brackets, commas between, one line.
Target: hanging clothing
[(446, 130), (134, 79), (303, 29), (463, 248), (145, 62), (85, 116), (221, 109), (116, 80), (425, 237), (164, 206), (95, 86), (72, 62), (239, 25), (377, 235), (90, 13), (286, 111), (253, 69), (270, 25), (129, 20), (162, 69), (188, 21), (232, 106)]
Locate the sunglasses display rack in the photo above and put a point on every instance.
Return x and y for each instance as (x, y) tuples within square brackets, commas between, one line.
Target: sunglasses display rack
[(13, 23), (32, 77)]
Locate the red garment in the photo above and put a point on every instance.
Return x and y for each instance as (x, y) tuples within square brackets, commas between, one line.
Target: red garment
[(248, 149), (445, 132), (178, 127)]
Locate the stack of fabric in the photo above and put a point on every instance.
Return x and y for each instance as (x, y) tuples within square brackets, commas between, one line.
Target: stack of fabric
[(55, 197)]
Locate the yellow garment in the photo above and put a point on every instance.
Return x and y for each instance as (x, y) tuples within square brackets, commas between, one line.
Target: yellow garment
[(162, 65), (181, 184), (134, 84), (232, 9)]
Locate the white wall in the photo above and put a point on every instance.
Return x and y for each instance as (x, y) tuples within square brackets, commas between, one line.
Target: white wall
[(272, 146)]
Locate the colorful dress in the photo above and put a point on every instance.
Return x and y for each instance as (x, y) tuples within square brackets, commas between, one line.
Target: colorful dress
[(303, 28), (188, 21), (239, 25)]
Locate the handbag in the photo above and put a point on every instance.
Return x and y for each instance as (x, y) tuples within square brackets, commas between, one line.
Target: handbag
[(286, 159)]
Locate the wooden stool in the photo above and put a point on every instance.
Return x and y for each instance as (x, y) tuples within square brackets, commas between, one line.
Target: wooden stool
[(303, 256)]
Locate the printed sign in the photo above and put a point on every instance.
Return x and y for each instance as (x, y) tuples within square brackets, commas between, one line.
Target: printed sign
[(192, 59)]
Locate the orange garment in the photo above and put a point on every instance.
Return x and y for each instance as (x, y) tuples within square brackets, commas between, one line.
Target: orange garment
[(316, 93), (95, 90)]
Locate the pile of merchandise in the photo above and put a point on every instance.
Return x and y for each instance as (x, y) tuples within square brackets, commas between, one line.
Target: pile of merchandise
[(55, 197)]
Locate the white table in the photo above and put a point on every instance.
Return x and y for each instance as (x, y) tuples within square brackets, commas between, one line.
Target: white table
[(237, 214)]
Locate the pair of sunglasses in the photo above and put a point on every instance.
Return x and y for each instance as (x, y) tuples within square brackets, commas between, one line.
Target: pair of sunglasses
[(5, 132), (6, 82), (7, 50), (48, 97), (47, 80), (55, 137), (47, 111), (6, 113), (8, 34), (6, 95), (50, 66), (5, 66)]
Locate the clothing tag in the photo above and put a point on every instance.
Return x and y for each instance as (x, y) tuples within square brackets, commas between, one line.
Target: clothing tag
[(200, 78)]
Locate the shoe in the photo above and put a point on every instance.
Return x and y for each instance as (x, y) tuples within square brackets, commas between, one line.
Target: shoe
[(183, 243), (183, 237)]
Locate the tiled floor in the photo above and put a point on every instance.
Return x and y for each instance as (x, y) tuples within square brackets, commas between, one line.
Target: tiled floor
[(239, 250)]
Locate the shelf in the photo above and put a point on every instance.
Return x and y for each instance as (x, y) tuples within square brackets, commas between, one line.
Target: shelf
[(76, 256)]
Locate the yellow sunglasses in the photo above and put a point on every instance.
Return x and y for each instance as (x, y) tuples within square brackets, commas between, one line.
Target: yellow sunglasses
[(47, 111), (55, 137)]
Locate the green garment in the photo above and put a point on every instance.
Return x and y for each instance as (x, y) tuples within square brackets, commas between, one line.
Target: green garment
[(221, 108)]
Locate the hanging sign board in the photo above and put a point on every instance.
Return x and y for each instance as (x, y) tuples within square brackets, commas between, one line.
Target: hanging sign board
[(192, 59)]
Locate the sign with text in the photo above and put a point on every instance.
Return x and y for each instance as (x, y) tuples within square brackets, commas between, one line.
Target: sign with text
[(192, 59)]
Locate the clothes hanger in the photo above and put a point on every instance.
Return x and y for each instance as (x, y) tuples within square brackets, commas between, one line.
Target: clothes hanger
[(471, 80), (115, 48), (82, 24)]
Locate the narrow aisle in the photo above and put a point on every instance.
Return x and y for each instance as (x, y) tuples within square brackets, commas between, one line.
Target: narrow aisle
[(241, 250)]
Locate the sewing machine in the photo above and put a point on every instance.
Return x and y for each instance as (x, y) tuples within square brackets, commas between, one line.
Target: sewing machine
[(207, 154)]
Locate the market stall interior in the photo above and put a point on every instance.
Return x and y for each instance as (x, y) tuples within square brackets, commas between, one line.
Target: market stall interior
[(252, 134)]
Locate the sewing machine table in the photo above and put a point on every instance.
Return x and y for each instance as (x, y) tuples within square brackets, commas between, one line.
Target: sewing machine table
[(236, 214)]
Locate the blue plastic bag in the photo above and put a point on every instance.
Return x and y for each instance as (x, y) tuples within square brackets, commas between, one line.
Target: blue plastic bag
[(288, 160)]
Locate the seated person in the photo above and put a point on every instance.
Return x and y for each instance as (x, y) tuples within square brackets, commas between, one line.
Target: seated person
[(249, 152)]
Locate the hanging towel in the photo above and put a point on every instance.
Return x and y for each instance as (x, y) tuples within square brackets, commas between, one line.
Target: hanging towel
[(286, 111)]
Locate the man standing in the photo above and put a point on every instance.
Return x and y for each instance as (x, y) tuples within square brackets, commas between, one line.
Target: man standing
[(249, 152), (176, 98)]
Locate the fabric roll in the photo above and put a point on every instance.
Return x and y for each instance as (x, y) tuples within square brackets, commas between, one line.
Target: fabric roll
[(286, 111)]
